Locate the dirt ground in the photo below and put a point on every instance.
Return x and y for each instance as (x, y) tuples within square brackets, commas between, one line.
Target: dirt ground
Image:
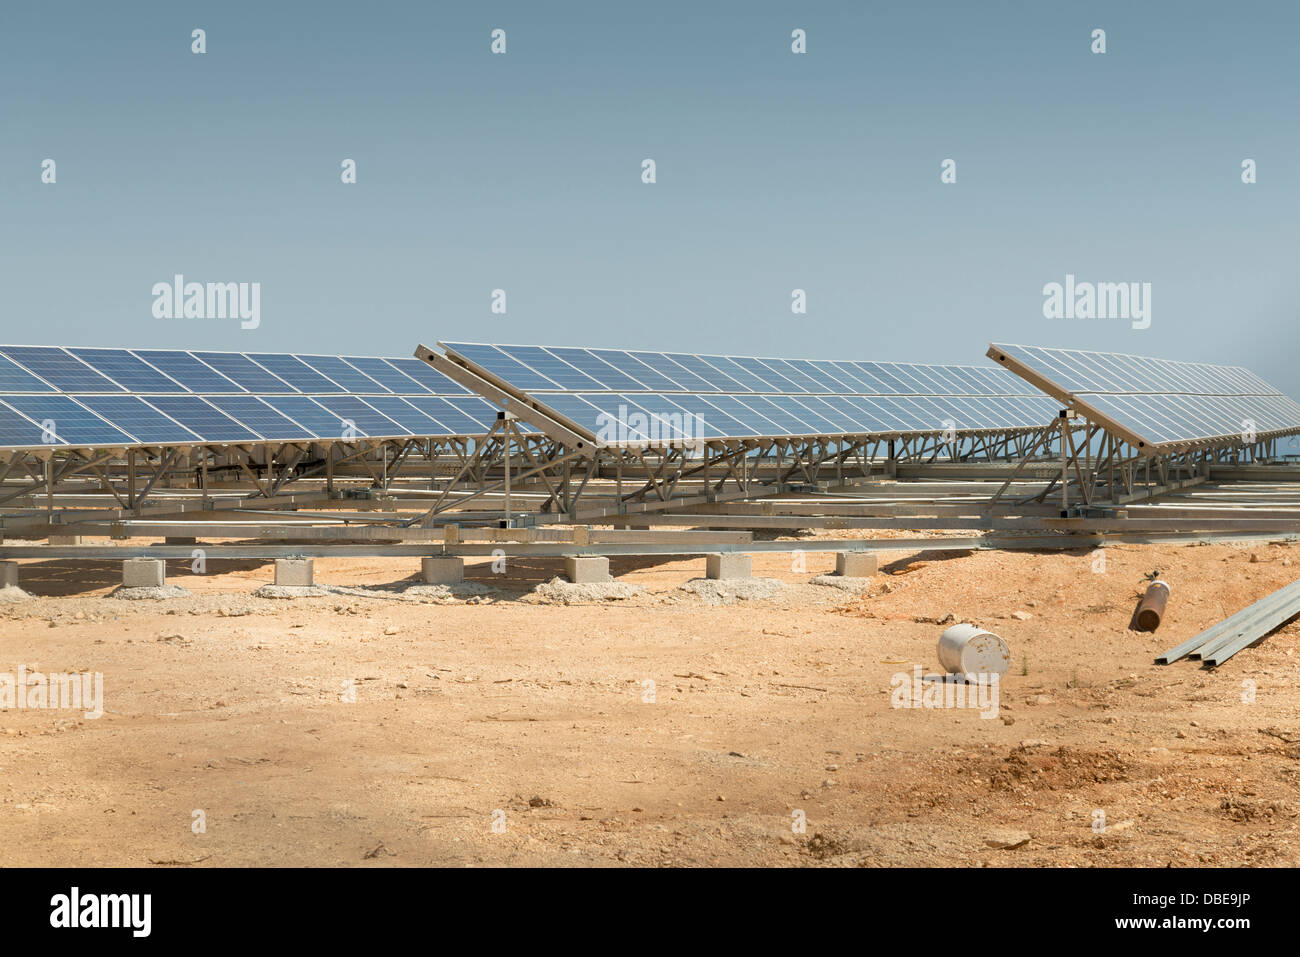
[(503, 730)]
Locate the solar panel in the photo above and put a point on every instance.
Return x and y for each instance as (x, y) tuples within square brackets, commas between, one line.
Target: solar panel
[(19, 431), (362, 418), (1156, 402), (14, 378), (429, 377), (655, 398), (203, 419), (383, 373), (295, 372), (60, 369), (133, 415), (88, 397), (128, 371), (309, 414), (348, 377), (260, 417), (244, 371), (195, 375), (62, 416)]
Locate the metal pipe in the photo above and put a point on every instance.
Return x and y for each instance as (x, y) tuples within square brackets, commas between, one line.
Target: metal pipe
[(1152, 607)]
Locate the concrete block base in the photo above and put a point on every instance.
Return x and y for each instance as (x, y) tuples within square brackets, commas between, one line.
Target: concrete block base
[(66, 540), (442, 571), (856, 564), (587, 569), (295, 572), (8, 574), (144, 573), (728, 566)]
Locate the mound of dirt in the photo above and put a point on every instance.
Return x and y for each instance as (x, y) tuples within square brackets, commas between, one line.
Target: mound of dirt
[(727, 591), (561, 591), (291, 591), (855, 586), (149, 592)]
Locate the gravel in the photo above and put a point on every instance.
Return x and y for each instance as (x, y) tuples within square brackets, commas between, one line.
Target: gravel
[(560, 591), (856, 586), (726, 591), (149, 592)]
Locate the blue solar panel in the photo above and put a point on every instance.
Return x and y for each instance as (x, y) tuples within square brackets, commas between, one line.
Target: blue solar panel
[(311, 415), (245, 371), (70, 421), (362, 417), (60, 368), (742, 397), (187, 370), (349, 377), (211, 424), (429, 377), (132, 414), (453, 417), (128, 371), (17, 430), (407, 416), (386, 375), (14, 378), (260, 417), (493, 360), (633, 367), (593, 372), (295, 372)]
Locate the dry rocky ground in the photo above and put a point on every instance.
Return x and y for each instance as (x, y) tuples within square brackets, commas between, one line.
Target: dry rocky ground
[(504, 705)]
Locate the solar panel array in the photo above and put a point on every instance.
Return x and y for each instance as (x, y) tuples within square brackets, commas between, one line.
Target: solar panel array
[(644, 398), (1158, 402), (98, 397)]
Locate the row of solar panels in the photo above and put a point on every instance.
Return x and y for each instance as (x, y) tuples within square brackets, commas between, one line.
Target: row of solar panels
[(1157, 402), (536, 369), (119, 397), (44, 369), (641, 398), (86, 421)]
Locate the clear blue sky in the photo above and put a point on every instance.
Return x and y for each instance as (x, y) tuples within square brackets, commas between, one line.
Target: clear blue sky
[(775, 172)]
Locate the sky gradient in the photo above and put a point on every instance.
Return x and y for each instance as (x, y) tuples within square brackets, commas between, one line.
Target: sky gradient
[(775, 171)]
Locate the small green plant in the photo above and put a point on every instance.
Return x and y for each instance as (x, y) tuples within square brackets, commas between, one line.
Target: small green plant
[(1024, 666)]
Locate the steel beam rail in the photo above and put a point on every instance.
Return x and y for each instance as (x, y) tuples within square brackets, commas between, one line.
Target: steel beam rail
[(1224, 639), (559, 549)]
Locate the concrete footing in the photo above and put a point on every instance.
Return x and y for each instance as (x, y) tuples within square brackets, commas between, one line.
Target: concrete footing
[(728, 565), (144, 573), (66, 540), (295, 572), (8, 574), (587, 569), (442, 571), (856, 564)]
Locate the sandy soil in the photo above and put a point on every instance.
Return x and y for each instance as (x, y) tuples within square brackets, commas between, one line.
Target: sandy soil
[(537, 716)]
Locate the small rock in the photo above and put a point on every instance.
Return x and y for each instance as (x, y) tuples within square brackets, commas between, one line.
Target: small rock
[(1007, 840), (1021, 615)]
